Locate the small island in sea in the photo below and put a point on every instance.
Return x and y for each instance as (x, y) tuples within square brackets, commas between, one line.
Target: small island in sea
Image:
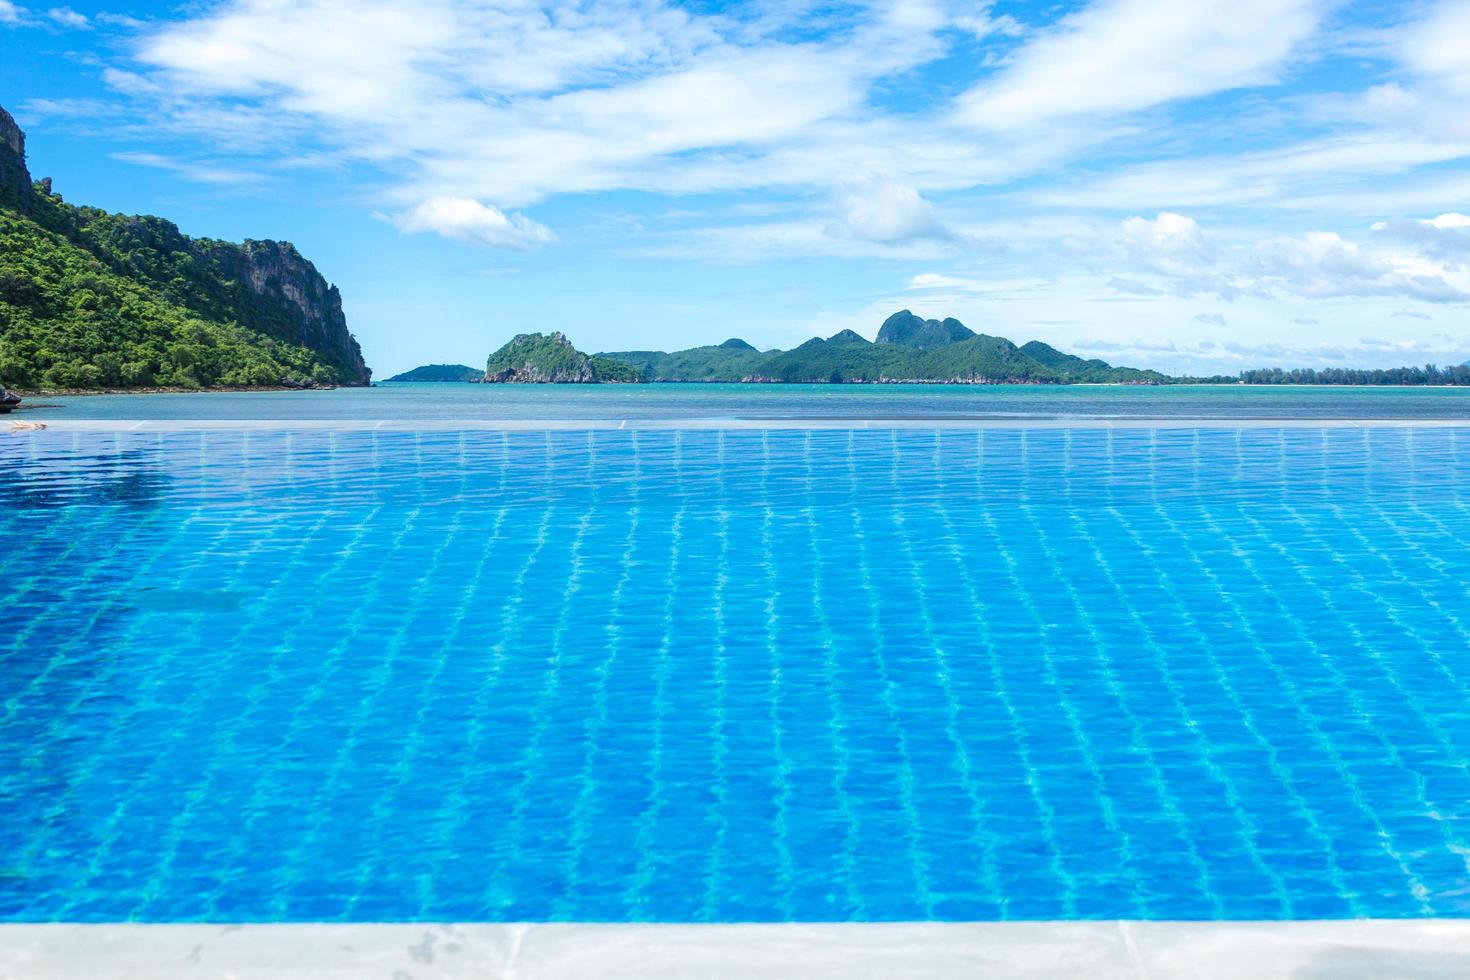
[(443, 373), (551, 359)]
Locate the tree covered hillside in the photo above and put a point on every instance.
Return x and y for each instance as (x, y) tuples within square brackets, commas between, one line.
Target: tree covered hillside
[(90, 299), (908, 349)]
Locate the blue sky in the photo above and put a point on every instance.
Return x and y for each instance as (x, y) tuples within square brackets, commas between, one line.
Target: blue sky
[(1191, 185)]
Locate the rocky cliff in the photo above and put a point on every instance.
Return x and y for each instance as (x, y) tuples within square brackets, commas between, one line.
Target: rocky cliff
[(15, 179), (284, 295), (264, 294), (533, 358)]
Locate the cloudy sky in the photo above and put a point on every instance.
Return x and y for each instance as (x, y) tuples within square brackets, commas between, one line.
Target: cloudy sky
[(1186, 184)]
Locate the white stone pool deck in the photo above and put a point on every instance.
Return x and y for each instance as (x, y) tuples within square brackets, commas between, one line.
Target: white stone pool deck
[(1431, 949)]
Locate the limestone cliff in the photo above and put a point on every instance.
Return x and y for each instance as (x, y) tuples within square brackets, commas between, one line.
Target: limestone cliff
[(533, 358), (15, 179), (263, 294)]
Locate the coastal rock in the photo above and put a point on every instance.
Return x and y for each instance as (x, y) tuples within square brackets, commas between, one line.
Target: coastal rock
[(533, 358)]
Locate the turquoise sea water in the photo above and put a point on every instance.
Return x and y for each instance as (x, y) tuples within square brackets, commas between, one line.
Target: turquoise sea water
[(735, 675), (735, 401)]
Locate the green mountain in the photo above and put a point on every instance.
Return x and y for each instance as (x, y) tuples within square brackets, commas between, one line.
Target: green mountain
[(91, 299), (844, 356), (441, 372), (908, 349), (534, 358), (911, 331), (731, 361), (1071, 368)]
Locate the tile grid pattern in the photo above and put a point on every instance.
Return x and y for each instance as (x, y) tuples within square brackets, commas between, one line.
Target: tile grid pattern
[(774, 675)]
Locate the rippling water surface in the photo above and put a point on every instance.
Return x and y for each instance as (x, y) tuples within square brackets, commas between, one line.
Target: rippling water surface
[(732, 401), (738, 675)]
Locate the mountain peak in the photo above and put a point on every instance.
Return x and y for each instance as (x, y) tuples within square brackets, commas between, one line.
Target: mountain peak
[(909, 330)]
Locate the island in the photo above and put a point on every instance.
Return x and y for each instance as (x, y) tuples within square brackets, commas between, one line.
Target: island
[(909, 349), (533, 358), (94, 300), (442, 373)]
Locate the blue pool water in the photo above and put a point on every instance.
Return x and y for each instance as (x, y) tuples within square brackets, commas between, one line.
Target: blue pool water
[(738, 675)]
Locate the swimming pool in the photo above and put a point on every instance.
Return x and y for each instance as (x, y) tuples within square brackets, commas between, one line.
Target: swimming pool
[(735, 675)]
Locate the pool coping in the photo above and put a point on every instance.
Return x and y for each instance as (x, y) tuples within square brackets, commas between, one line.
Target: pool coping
[(1347, 949), (538, 425)]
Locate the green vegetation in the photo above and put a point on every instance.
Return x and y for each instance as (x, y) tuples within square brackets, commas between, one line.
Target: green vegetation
[(90, 299), (908, 330), (731, 361), (1429, 374), (908, 349), (533, 358), (441, 372), (68, 320)]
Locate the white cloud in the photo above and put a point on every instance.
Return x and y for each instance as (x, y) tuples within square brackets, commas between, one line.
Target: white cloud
[(800, 238), (1132, 287), (514, 102), (1212, 319), (119, 20), (10, 14), (1446, 236), (1322, 264), (206, 172), (467, 220), (882, 209), (1123, 55), (1435, 46), (67, 17), (973, 286), (1167, 233)]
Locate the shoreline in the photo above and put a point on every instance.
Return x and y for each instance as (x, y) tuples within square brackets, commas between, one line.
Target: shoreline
[(170, 390)]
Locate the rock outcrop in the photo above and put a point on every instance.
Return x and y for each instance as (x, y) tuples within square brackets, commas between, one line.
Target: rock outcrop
[(15, 178), (533, 358), (297, 303)]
